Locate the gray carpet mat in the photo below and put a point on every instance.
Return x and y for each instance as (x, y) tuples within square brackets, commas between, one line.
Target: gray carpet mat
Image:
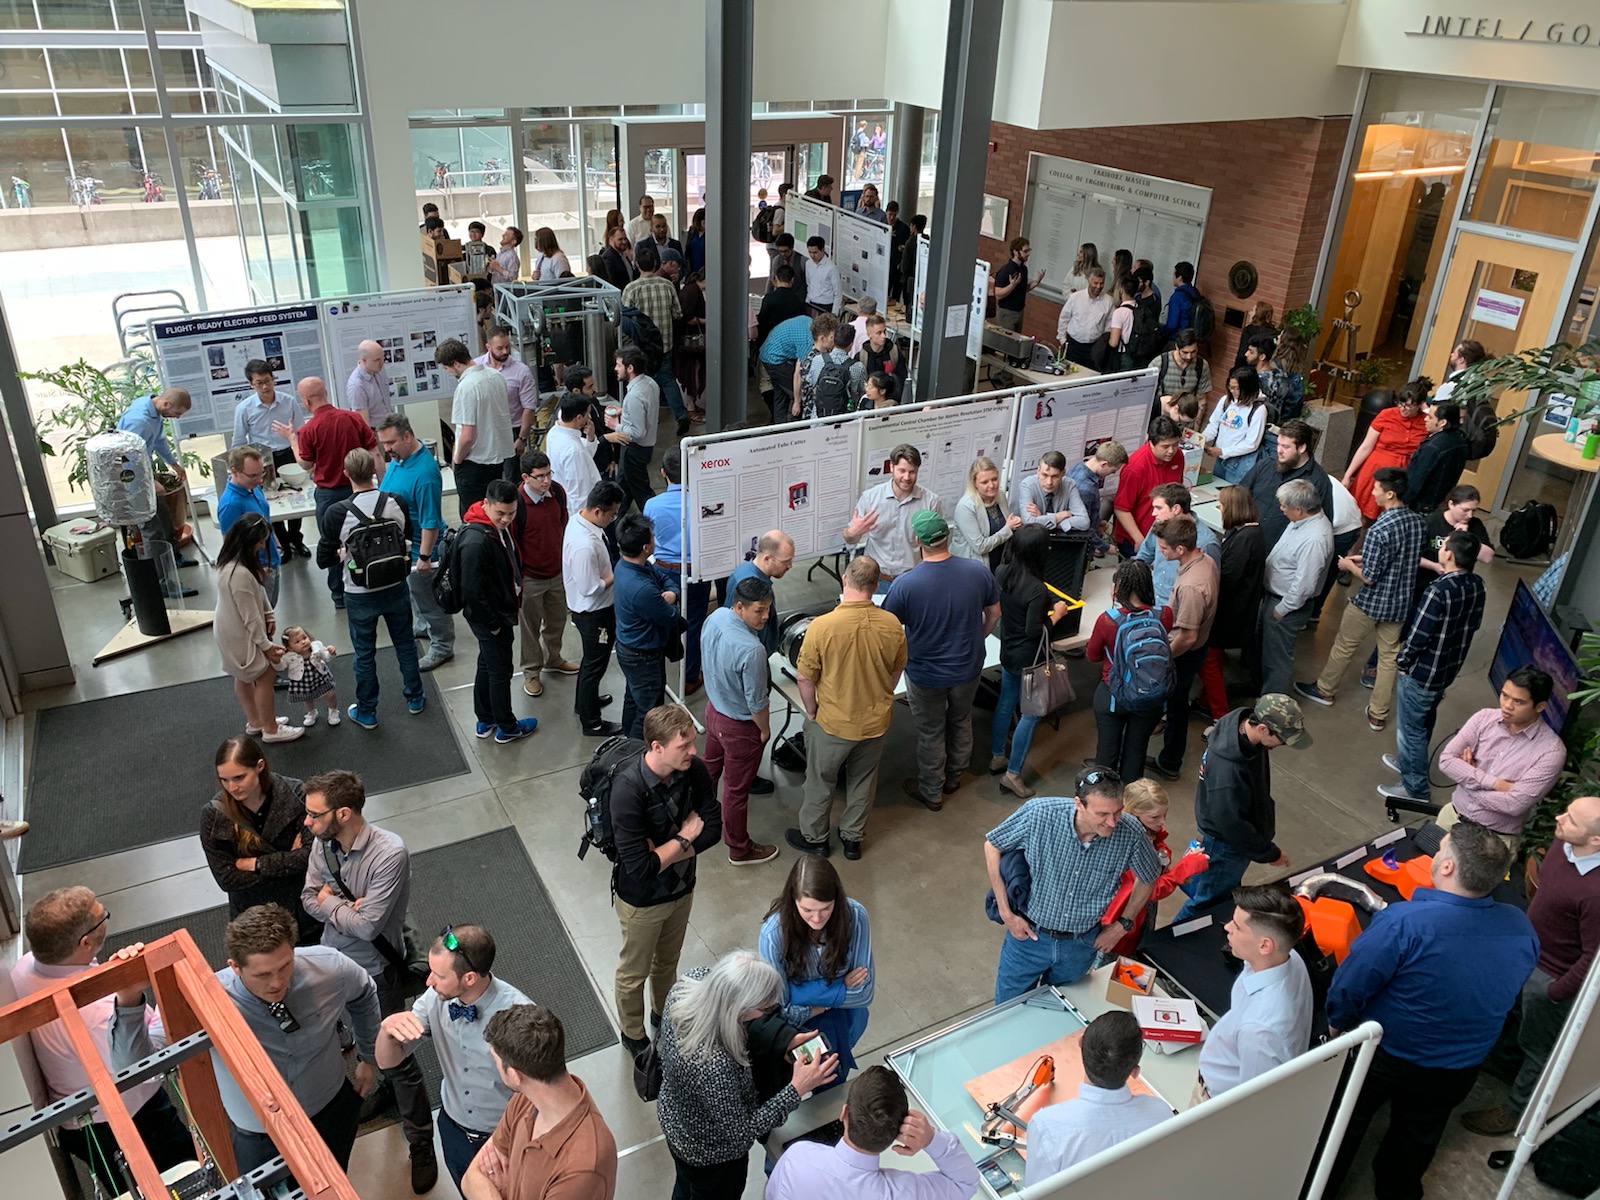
[(133, 770), (489, 881)]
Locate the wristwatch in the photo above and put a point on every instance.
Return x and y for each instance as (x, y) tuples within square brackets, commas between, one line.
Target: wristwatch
[(688, 846), (1126, 924)]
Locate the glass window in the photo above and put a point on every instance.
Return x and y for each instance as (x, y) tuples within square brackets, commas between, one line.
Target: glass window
[(930, 165), (435, 154), (168, 14), (336, 257), (1538, 167), (866, 149), (88, 68), (660, 181), (536, 114), (95, 104), (326, 165), (599, 140), (1413, 144), (23, 70), (27, 104), (179, 67), (550, 179), (596, 110), (140, 74), (38, 157), (77, 14), (18, 14)]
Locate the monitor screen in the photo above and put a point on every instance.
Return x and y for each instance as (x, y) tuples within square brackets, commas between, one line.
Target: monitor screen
[(1530, 638)]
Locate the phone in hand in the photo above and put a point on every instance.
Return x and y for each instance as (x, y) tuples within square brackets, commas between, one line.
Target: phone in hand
[(811, 1050)]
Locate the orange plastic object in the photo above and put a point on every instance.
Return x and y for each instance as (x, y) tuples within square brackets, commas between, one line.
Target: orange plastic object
[(1384, 869), (1414, 873), (1132, 975), (1333, 924)]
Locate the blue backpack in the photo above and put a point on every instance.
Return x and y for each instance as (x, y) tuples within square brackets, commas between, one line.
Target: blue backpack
[(1141, 673)]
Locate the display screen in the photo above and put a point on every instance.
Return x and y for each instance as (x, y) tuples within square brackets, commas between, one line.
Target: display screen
[(1530, 638)]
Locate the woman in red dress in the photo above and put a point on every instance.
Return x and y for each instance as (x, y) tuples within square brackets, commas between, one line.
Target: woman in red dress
[(1390, 442)]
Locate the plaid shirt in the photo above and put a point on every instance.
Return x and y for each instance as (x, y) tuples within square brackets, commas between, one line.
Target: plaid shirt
[(1440, 631), (1073, 881), (1389, 560), (657, 299)]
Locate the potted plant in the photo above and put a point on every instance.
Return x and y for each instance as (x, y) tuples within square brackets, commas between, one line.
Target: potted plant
[(1305, 321), (1559, 370)]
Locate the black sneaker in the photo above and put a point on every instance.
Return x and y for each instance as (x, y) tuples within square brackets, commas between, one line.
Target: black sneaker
[(635, 1046), (603, 729), (424, 1168), (800, 842), (852, 850), (760, 786), (1153, 765)]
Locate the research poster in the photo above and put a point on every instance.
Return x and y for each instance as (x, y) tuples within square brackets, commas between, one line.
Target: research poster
[(954, 326), (948, 437), (206, 355), (807, 219), (800, 480), (409, 326), (860, 250), (1076, 419)]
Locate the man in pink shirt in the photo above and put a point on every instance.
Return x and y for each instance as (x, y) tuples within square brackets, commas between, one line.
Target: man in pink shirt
[(1504, 761), (67, 930)]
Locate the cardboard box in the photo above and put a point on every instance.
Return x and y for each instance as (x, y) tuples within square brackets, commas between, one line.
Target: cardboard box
[(437, 257), (84, 549), (1166, 1019), (1129, 979)]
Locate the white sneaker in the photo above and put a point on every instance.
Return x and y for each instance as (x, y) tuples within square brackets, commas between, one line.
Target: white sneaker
[(254, 732), (283, 733), (310, 719), (333, 716)]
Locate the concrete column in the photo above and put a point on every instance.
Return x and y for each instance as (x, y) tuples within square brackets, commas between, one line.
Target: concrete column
[(730, 30), (905, 158), (971, 57)]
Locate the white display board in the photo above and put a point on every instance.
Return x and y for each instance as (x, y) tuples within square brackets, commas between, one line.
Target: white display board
[(973, 321), (949, 435), (798, 478), (1075, 418), (860, 249), (1068, 202), (206, 355), (409, 326), (808, 219)]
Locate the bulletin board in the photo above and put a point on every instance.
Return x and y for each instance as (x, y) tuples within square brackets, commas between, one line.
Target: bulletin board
[(205, 354), (409, 326), (1068, 202)]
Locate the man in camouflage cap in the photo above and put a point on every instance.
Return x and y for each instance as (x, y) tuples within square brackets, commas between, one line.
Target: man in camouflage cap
[(1233, 798)]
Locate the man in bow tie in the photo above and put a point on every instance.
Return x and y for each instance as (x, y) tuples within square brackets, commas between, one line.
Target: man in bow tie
[(461, 997)]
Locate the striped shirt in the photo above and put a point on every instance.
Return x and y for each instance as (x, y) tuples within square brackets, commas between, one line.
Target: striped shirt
[(1073, 880), (1436, 640), (1389, 564), (1531, 759)]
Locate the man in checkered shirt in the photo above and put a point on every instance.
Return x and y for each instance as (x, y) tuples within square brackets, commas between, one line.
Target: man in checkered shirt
[(1077, 848)]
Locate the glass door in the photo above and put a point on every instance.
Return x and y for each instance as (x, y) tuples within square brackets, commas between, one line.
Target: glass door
[(1505, 294)]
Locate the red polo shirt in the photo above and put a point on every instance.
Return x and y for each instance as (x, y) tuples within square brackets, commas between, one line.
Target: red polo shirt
[(1142, 473), (327, 436)]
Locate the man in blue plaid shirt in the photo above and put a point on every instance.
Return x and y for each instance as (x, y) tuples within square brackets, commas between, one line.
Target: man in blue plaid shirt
[(1077, 848), (1431, 653), (1387, 566)]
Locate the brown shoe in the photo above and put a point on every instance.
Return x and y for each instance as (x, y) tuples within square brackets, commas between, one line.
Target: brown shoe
[(563, 667), (1490, 1122), (532, 686), (12, 829), (758, 853), (910, 788), (1014, 785)]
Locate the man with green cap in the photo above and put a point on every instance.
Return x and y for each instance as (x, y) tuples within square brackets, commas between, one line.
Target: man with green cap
[(1233, 805), (948, 606)]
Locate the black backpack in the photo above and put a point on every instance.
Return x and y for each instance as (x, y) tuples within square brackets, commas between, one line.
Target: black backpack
[(643, 335), (832, 392), (594, 785), (1202, 317), (761, 227), (377, 554), (447, 571), (1148, 334), (1530, 531), (1481, 426)]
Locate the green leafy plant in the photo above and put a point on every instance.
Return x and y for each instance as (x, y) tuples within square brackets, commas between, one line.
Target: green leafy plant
[(1374, 372), (1562, 369), (1305, 320), (1581, 775), (96, 400)]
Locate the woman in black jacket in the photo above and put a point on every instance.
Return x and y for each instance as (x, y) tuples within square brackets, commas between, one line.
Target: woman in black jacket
[(490, 578), (1436, 465), (253, 835), (1244, 572), (1025, 616)]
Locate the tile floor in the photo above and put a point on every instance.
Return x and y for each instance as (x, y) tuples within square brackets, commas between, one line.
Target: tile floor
[(915, 862)]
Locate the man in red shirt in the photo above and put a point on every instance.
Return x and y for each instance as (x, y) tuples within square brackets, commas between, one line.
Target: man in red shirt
[(320, 446), (539, 528), (1152, 464)]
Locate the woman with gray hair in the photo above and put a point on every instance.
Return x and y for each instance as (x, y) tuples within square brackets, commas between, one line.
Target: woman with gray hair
[(710, 1110)]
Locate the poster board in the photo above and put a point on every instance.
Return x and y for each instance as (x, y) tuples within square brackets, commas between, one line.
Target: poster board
[(860, 250), (974, 319), (808, 219), (798, 478), (949, 435), (206, 355), (409, 326), (1075, 418), (1067, 203)]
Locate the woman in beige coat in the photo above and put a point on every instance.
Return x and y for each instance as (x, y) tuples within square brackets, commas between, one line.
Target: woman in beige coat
[(244, 626)]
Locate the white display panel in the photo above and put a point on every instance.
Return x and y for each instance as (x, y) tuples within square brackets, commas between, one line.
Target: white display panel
[(973, 326), (948, 436), (409, 326), (206, 355), (1075, 418), (860, 250), (801, 479), (808, 219)]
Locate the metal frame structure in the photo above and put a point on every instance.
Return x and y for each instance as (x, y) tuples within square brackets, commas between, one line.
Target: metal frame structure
[(199, 1017), (526, 308)]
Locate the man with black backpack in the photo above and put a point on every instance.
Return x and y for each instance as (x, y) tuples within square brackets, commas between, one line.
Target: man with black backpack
[(370, 530), (489, 574), (664, 813)]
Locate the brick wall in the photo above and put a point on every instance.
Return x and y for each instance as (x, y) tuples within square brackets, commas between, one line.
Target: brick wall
[(1272, 185)]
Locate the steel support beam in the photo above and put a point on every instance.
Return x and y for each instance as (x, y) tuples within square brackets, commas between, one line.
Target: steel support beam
[(905, 161), (971, 59), (730, 42)]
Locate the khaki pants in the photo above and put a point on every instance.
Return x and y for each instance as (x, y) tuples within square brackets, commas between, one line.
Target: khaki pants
[(652, 939), (544, 602), (1354, 630), (1200, 1095), (1448, 816), (825, 754)]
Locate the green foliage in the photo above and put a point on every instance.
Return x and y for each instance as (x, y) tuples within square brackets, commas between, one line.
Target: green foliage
[(1375, 372), (1560, 369), (1305, 320), (1581, 776), (96, 400)]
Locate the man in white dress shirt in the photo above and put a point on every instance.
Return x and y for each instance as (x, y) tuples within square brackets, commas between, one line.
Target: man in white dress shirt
[(570, 445), (253, 422), (1268, 1021), (586, 568), (823, 292), (1084, 318), (1105, 1112)]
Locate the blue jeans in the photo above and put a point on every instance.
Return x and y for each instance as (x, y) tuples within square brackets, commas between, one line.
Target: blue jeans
[(1025, 963), (1341, 546), (1022, 739), (670, 391), (1231, 470), (645, 673), (1227, 865), (460, 1145), (326, 498), (1415, 710), (363, 610)]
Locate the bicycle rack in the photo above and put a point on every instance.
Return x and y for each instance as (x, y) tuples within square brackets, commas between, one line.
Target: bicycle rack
[(134, 334)]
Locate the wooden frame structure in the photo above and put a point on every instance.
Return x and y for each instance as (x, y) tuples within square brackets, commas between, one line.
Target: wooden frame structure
[(199, 1016)]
